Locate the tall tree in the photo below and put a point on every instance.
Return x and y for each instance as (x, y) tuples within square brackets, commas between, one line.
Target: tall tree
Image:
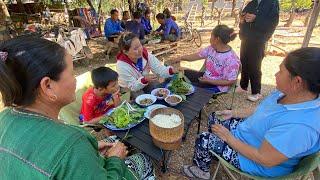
[(212, 8), (312, 22), (292, 13)]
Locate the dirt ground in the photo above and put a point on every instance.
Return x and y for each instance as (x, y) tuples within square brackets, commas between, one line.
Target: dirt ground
[(270, 64)]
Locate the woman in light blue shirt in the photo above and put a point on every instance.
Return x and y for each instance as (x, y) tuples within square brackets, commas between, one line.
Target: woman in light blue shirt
[(284, 128)]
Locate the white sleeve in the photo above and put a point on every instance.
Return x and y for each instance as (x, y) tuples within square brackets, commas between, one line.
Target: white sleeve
[(157, 67), (127, 79)]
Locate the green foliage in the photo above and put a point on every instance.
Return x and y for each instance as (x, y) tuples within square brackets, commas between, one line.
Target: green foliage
[(285, 5), (106, 5), (204, 2), (121, 117), (178, 85)]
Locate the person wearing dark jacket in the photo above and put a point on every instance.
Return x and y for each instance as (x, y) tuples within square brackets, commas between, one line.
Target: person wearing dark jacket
[(258, 21), (135, 26)]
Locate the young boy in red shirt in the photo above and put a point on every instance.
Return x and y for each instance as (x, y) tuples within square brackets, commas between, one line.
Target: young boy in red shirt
[(103, 96)]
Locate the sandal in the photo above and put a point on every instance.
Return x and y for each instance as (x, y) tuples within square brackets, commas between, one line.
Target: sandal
[(195, 172)]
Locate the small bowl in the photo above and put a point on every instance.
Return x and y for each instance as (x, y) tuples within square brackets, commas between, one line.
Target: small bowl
[(146, 96), (171, 103), (154, 92)]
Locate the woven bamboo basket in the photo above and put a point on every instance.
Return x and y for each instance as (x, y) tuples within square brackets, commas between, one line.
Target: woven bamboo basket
[(166, 138)]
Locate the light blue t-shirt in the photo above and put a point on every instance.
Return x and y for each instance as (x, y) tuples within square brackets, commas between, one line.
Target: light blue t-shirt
[(293, 130)]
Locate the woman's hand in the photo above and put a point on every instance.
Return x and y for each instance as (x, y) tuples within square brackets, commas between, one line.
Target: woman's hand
[(203, 80), (224, 115), (118, 149), (156, 33), (177, 70), (222, 132), (249, 17), (242, 18), (116, 98), (151, 77), (103, 146)]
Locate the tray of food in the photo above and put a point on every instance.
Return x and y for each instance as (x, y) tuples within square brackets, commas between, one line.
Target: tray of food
[(123, 117)]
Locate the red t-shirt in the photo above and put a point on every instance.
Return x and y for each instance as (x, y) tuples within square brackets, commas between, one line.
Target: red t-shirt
[(94, 106)]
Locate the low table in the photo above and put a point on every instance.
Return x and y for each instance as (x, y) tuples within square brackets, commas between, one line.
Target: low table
[(141, 138)]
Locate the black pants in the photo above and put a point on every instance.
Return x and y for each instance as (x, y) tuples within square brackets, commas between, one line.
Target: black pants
[(194, 76), (251, 55)]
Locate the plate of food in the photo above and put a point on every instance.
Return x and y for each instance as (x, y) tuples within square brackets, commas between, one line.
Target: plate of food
[(145, 100), (173, 100), (152, 108), (120, 118), (154, 40), (160, 93), (179, 85)]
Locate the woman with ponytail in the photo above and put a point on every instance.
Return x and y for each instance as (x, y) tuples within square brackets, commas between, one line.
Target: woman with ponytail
[(221, 62)]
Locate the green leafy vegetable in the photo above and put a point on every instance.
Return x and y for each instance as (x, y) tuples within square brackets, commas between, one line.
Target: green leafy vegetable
[(178, 85), (121, 117)]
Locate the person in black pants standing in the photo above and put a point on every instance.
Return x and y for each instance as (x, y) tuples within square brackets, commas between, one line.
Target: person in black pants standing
[(258, 21)]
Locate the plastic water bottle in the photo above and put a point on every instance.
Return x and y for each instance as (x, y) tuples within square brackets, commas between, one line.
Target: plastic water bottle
[(81, 119)]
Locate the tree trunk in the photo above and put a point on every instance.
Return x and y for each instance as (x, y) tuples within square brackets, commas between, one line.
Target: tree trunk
[(312, 23), (99, 15), (203, 10), (5, 11), (212, 8), (67, 9), (22, 10), (90, 4), (233, 14), (292, 13), (180, 5), (131, 6), (306, 20), (149, 3), (5, 20)]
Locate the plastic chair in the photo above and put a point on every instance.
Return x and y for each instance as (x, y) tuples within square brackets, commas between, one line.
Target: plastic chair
[(303, 169)]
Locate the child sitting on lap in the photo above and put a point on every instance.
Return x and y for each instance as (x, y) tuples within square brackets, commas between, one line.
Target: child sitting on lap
[(103, 96)]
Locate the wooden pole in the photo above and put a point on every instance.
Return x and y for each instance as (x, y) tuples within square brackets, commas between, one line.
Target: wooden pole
[(312, 23), (292, 13), (233, 8)]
